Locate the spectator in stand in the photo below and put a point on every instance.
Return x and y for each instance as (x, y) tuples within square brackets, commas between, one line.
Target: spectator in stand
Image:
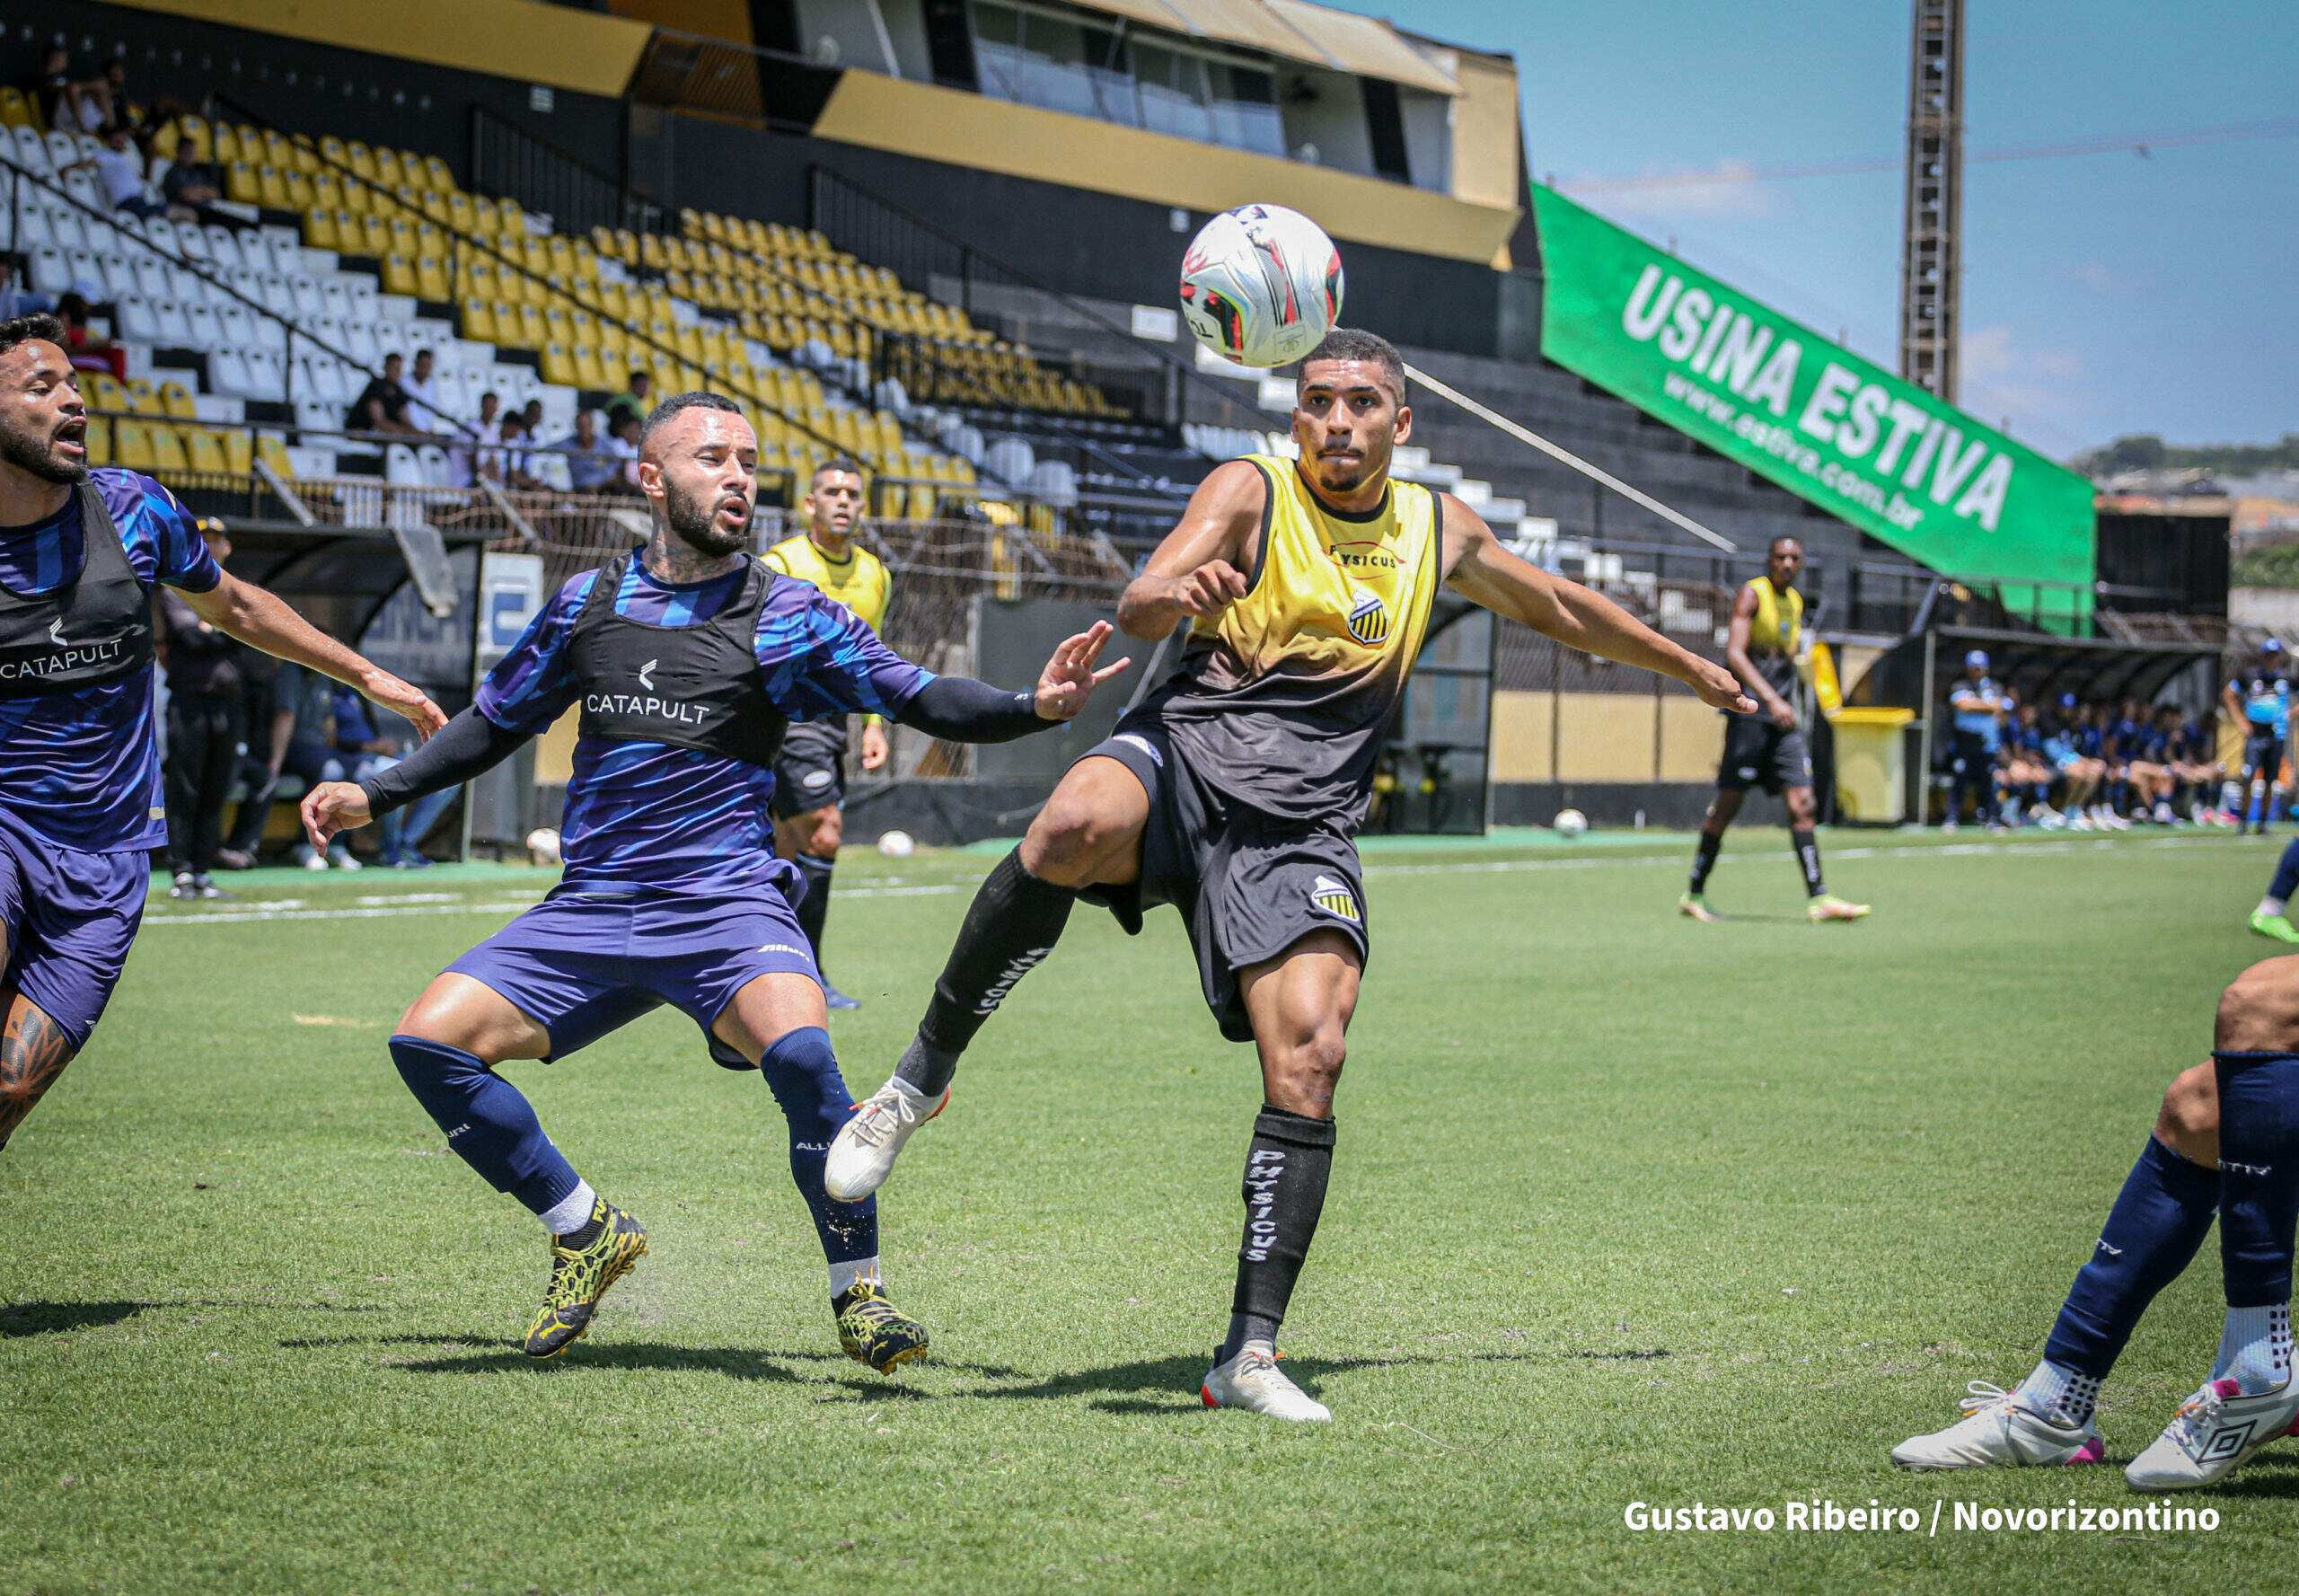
[(103, 100), (1977, 707), (471, 460), (423, 410), (119, 166), (203, 674), (637, 399), (18, 302), (82, 347), (54, 93), (589, 466), (532, 418), (515, 463), (623, 443), (382, 404)]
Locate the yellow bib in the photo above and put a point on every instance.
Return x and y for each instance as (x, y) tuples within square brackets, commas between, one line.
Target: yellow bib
[(1333, 594), (1779, 624), (860, 581)]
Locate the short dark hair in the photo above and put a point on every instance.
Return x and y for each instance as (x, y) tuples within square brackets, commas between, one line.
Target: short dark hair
[(492, 394), (836, 462), (678, 404), (637, 377), (394, 355), (1354, 343), (423, 354), (24, 329)]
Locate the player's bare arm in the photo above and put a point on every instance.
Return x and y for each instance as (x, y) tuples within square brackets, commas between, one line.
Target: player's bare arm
[(1736, 655), (1199, 571), (262, 620), (1478, 569)]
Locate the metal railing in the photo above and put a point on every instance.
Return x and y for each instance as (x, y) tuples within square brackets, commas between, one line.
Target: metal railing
[(507, 159)]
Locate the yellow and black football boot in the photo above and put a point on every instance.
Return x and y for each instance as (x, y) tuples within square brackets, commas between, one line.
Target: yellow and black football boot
[(579, 1278), (874, 1331)]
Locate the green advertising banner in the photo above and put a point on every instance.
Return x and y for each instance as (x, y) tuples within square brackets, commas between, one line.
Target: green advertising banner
[(1772, 394)]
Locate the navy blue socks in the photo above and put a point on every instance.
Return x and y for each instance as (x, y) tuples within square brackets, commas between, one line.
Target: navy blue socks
[(2153, 1233), (489, 1121), (802, 1071)]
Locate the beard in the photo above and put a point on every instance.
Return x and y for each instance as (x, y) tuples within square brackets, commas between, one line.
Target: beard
[(697, 525), (38, 456)]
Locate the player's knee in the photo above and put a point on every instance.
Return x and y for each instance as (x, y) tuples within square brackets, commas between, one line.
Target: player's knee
[(1066, 842), (829, 831), (1801, 808), (1306, 1071), (2258, 1011), (2190, 1109)]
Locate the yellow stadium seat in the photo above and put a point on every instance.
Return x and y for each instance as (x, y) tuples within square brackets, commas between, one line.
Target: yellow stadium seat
[(176, 402), (206, 451), (131, 444), (479, 320), (387, 168), (167, 450), (531, 328), (320, 231), (432, 282), (272, 450), (143, 398), (438, 175), (590, 370), (298, 185), (400, 276), (16, 110), (271, 188), (98, 441), (239, 451), (559, 366), (241, 185)]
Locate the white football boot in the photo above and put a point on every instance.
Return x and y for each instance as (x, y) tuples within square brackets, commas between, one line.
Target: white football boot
[(1996, 1432), (862, 1154), (2214, 1433), (1253, 1380)]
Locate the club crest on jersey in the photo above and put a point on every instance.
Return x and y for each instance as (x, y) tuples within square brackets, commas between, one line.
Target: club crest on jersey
[(1369, 619), (1335, 899)]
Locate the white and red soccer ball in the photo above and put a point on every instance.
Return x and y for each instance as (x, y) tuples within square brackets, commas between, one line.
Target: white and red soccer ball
[(1261, 285)]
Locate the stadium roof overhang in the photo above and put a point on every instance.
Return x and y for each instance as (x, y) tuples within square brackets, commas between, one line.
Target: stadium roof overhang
[(1294, 30), (2037, 666), (337, 578)]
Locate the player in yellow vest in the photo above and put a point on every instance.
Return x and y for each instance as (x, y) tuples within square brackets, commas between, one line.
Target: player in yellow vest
[(1233, 792), (810, 775), (1767, 749)]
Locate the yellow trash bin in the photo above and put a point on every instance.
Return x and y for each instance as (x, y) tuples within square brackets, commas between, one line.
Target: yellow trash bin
[(1872, 764)]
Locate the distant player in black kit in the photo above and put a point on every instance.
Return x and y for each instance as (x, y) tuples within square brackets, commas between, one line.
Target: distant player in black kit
[(1766, 749)]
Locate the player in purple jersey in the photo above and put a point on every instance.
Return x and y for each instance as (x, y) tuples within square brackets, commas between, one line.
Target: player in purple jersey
[(81, 800), (688, 662)]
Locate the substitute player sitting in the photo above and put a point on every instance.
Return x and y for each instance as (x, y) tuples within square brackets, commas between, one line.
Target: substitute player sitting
[(1234, 791), (810, 778), (687, 661), (1766, 749)]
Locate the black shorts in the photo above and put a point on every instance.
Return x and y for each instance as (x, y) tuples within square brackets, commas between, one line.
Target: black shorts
[(2262, 755), (811, 770), (1758, 753), (1248, 884)]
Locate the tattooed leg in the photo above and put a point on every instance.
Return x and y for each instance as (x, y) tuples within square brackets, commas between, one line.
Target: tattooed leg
[(33, 1052)]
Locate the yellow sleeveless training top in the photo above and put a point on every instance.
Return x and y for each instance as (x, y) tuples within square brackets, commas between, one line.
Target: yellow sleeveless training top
[(1774, 633), (860, 581), (1280, 701)]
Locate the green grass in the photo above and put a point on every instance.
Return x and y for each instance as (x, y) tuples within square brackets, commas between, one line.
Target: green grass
[(1624, 1208)]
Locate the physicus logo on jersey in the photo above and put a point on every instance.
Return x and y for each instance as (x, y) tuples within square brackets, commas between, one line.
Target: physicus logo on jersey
[(1367, 555), (1368, 619), (67, 656)]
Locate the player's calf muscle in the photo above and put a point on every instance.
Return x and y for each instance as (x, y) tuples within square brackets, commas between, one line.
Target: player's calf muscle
[(2188, 1121), (33, 1052), (2258, 1011)]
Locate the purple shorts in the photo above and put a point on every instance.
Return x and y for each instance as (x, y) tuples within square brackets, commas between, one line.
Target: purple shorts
[(585, 962), (68, 918)]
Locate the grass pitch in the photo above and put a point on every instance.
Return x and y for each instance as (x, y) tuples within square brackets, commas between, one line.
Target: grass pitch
[(1625, 1209)]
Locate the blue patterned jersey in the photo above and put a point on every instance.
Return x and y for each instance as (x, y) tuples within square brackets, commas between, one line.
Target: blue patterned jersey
[(80, 766), (658, 814), (2267, 700)]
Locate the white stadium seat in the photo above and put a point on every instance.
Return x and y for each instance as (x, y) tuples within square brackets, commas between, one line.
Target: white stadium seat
[(207, 330), (137, 319)]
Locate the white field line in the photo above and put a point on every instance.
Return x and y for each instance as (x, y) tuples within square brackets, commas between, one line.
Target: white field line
[(427, 903)]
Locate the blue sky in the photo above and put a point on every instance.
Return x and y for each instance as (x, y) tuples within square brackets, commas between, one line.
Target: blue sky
[(2102, 293)]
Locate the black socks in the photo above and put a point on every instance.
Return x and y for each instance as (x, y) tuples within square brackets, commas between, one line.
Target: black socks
[(814, 907), (1807, 855), (1287, 1165), (1013, 922), (1703, 860)]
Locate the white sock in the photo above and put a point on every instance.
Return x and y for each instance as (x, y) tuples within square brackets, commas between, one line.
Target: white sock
[(2059, 1395), (570, 1212), (2255, 1348), (2270, 904), (844, 1277)]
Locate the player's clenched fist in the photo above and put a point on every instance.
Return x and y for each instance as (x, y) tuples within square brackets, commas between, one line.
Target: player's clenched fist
[(333, 806), (1209, 589)]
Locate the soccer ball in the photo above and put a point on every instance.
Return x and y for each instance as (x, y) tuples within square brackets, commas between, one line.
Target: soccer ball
[(542, 845), (1569, 824), (897, 844), (1261, 285)]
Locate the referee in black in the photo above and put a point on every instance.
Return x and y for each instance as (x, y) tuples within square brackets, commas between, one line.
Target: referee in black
[(204, 685)]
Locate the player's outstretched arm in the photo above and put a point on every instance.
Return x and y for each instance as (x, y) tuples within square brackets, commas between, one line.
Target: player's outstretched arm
[(1736, 655), (1478, 569), (466, 747), (1199, 571), (961, 710), (262, 620)]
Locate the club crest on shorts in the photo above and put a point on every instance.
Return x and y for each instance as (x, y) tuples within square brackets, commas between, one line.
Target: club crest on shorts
[(1335, 899), (1369, 619)]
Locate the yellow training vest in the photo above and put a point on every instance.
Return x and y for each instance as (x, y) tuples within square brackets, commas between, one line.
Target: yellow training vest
[(860, 581)]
